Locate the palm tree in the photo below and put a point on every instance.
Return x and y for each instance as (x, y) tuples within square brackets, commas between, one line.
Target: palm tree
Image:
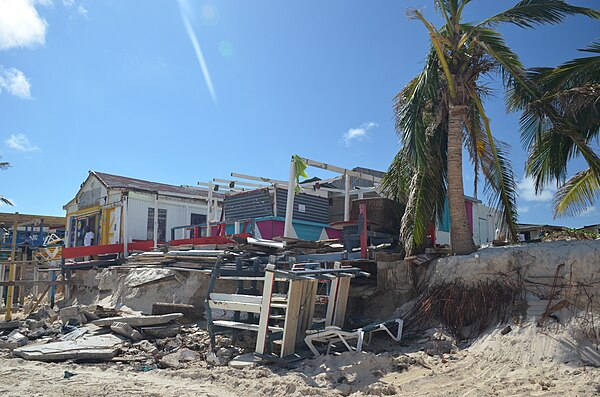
[(442, 108), (4, 165), (561, 118)]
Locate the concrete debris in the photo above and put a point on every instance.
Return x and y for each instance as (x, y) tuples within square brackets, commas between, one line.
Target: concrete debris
[(147, 347), (89, 348), (126, 330), (8, 325), (138, 321), (13, 340), (72, 315), (248, 360), (190, 313), (179, 358), (213, 359), (73, 334), (162, 331)]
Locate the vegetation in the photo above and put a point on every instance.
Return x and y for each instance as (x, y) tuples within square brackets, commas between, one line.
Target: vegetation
[(4, 165), (561, 118), (442, 108)]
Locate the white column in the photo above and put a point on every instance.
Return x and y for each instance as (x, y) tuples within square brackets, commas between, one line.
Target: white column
[(155, 223), (346, 197), (289, 207), (125, 216)]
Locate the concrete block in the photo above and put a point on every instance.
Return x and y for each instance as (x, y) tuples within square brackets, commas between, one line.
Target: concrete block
[(126, 330)]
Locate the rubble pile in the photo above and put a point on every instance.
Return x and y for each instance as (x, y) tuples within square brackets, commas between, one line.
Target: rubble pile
[(98, 334)]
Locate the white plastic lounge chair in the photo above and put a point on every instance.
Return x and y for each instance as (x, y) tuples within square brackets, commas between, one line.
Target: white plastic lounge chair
[(332, 334)]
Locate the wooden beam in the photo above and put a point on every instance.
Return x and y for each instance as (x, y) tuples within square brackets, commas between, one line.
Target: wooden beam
[(29, 283), (265, 309), (290, 327)]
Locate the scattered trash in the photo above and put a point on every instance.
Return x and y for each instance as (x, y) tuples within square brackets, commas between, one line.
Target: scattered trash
[(69, 375)]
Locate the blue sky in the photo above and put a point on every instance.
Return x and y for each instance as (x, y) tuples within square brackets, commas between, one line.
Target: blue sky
[(184, 91)]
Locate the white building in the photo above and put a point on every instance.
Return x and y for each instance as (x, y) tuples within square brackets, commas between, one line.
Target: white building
[(115, 206)]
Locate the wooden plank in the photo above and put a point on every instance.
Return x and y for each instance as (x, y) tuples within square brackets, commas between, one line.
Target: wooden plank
[(265, 309), (235, 306), (307, 310), (332, 301), (236, 298), (29, 283), (244, 326), (290, 327), (312, 298), (342, 302)]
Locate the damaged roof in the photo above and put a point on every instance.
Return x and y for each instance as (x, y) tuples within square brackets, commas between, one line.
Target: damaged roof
[(123, 182)]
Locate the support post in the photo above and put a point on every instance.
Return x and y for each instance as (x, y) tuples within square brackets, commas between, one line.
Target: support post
[(209, 209), (265, 309), (12, 271), (289, 207), (155, 221), (363, 230), (125, 224), (346, 198)]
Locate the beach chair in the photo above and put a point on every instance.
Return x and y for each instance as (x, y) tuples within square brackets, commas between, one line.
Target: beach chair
[(333, 334)]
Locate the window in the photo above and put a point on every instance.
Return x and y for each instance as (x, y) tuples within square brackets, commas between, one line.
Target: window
[(162, 224), (198, 219)]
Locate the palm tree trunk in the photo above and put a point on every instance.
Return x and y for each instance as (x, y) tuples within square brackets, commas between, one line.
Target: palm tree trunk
[(461, 237)]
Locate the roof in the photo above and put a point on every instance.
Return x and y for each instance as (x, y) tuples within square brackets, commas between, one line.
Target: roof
[(524, 227), (50, 221), (123, 182)]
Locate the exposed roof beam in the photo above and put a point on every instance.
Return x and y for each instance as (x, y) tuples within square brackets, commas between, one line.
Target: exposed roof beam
[(236, 183), (259, 178), (340, 170)]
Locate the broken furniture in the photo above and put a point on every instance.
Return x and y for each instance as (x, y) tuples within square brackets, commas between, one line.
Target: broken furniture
[(332, 334), (282, 316)]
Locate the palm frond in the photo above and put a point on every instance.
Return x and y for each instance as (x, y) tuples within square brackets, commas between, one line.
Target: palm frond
[(500, 186), (4, 165), (577, 194), (395, 184), (6, 201), (415, 109), (530, 13)]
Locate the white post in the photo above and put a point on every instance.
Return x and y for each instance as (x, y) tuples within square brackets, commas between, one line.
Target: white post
[(209, 209), (275, 200), (346, 198), (155, 224), (124, 214), (289, 207)]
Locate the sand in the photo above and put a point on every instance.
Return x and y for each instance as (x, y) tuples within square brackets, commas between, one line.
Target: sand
[(527, 361)]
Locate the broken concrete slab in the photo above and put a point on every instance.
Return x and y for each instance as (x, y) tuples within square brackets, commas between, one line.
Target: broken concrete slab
[(161, 332), (74, 334), (147, 347), (126, 330), (92, 348), (138, 321), (177, 359), (6, 325), (191, 314), (247, 360), (13, 340), (72, 314)]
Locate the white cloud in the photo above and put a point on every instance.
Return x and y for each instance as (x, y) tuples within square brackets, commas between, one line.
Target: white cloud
[(82, 11), (15, 82), (21, 143), (358, 134), (589, 211), (69, 3), (526, 189), (20, 24), (523, 209)]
